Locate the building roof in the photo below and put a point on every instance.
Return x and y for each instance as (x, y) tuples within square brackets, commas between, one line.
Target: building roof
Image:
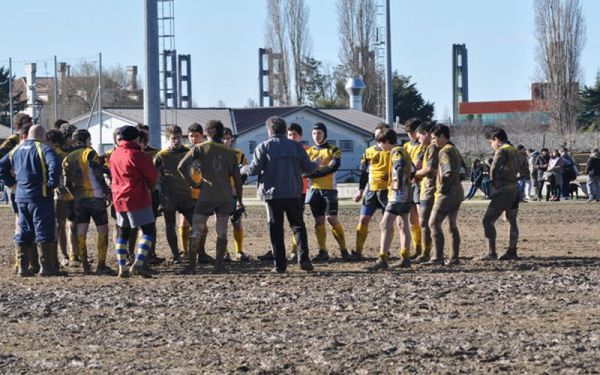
[(507, 106), (242, 120)]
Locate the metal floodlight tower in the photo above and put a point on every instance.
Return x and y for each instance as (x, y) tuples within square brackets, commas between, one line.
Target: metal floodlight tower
[(389, 100), (460, 78), (151, 73)]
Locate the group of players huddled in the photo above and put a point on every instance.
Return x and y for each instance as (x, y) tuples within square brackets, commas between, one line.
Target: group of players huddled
[(57, 183)]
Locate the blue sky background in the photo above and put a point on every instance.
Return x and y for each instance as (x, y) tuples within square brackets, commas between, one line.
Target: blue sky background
[(223, 38)]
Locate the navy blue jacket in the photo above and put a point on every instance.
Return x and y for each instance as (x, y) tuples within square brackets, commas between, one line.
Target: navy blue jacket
[(34, 167), (279, 164)]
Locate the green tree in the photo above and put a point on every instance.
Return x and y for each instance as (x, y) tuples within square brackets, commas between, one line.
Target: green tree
[(408, 101), (589, 113), (323, 88), (4, 101)]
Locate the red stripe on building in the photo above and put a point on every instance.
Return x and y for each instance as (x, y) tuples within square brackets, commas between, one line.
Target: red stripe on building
[(508, 106)]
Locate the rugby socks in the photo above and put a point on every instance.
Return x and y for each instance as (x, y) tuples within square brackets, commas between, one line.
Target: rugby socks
[(144, 247), (238, 239), (415, 232), (361, 236), (184, 237), (383, 255), (321, 233), (82, 248), (338, 234), (121, 248), (102, 247), (294, 245), (405, 253)]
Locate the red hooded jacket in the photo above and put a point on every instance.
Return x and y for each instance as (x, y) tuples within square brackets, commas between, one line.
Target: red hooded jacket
[(133, 175)]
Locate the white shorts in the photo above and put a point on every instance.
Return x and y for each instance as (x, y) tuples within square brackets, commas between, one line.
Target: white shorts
[(135, 219)]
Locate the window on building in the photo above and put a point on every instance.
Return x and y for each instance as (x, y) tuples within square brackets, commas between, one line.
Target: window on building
[(251, 146), (346, 145)]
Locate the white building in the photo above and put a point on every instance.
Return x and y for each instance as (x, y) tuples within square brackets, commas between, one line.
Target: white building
[(349, 129)]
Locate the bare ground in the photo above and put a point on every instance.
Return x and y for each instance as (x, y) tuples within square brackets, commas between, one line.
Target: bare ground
[(540, 314)]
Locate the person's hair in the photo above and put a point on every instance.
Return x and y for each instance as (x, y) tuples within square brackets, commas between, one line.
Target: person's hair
[(556, 152), (424, 128), (58, 123), (496, 132), (294, 127), (215, 129), (412, 124), (144, 137), (276, 125), (143, 127), (595, 150), (54, 136), (81, 136), (382, 125), (545, 149), (530, 150), (228, 132), (387, 135), (196, 128), (441, 129), (476, 161), (20, 120), (173, 130), (564, 149), (520, 147), (24, 129), (116, 135)]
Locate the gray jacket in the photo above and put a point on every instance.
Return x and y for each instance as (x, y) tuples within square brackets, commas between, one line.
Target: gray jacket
[(279, 164)]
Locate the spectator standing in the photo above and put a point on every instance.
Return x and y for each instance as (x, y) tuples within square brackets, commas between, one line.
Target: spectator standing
[(592, 169)]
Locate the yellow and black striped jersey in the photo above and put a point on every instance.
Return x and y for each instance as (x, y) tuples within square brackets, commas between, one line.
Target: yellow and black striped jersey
[(376, 162), (400, 171), (415, 150), (430, 161), (83, 174), (171, 182), (331, 158)]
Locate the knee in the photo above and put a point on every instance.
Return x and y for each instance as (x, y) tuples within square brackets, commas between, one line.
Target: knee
[(332, 220), (364, 220)]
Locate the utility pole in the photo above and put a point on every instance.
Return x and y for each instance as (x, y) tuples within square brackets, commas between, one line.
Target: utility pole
[(10, 93), (100, 147), (389, 101), (151, 73), (55, 91)]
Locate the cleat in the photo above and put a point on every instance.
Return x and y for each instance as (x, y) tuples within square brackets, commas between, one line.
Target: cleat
[(403, 263), (242, 257), (218, 268), (380, 265), (204, 258), (423, 258), (356, 256), (277, 270), (306, 266), (104, 270), (140, 271), (227, 257), (346, 257), (293, 258), (490, 256), (453, 262), (266, 257), (511, 254), (176, 260), (322, 256), (435, 262), (123, 273)]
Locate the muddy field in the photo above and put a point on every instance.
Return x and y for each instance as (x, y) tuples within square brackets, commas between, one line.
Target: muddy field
[(540, 314)]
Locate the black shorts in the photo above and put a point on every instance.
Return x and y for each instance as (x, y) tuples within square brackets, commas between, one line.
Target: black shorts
[(398, 208), (13, 203), (373, 201), (85, 209), (209, 208), (63, 209), (323, 202), (416, 193)]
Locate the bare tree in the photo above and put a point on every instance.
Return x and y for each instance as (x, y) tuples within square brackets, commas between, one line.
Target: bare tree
[(560, 35), (300, 43), (277, 46), (357, 29)]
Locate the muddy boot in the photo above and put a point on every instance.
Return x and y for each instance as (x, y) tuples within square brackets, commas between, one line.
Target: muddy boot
[(489, 256), (33, 257), (123, 272), (203, 258), (193, 246), (510, 254), (380, 265), (424, 257), (417, 254), (356, 255), (22, 261), (346, 257), (221, 250), (437, 259), (266, 257), (322, 256), (403, 263), (45, 259), (454, 260), (293, 258)]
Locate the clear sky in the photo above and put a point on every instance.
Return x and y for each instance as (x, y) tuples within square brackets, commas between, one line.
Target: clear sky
[(223, 38)]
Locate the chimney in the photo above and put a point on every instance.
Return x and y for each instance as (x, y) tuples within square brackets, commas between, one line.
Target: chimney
[(30, 70), (61, 73), (355, 87), (131, 77)]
